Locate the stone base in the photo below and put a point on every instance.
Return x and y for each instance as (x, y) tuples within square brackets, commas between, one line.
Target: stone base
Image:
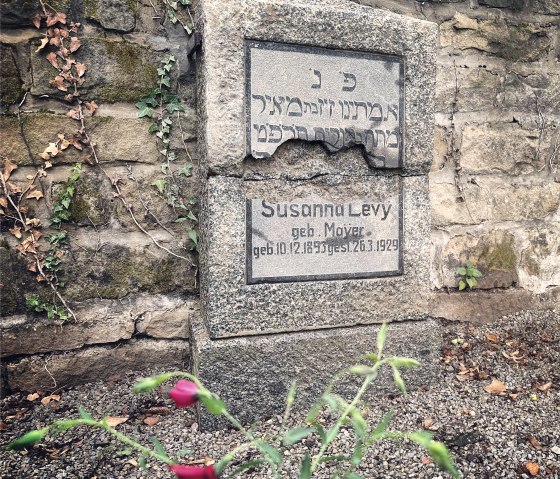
[(252, 375)]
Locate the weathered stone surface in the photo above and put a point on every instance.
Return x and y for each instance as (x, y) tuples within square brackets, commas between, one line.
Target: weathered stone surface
[(313, 23), (491, 198), (117, 71), (531, 41), (548, 7), (235, 308), (511, 4), (253, 375), (500, 148), (533, 91), (168, 318), (96, 363), (484, 306), (494, 254), (462, 88), (16, 13), (9, 77), (539, 265), (119, 16), (102, 323)]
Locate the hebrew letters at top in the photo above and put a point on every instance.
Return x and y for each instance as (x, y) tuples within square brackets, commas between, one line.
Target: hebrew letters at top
[(339, 98)]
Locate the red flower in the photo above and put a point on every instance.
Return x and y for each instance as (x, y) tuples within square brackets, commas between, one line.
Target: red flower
[(194, 472), (184, 394)]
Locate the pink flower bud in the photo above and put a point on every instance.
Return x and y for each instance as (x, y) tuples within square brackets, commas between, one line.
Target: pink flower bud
[(194, 472), (184, 394)]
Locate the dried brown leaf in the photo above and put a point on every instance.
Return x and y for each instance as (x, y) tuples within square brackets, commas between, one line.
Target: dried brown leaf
[(51, 57), (544, 387), (47, 399), (536, 444), (75, 114), (16, 231), (81, 69), (426, 460), (43, 44), (495, 387), (36, 20), (34, 194), (61, 17), (9, 166), (428, 423), (152, 420), (12, 187), (74, 44), (59, 83), (114, 421), (33, 268), (91, 106), (4, 202), (51, 20), (493, 338), (32, 397), (532, 468)]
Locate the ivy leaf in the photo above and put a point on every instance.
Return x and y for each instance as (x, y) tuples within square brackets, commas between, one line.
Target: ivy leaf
[(144, 110), (160, 185)]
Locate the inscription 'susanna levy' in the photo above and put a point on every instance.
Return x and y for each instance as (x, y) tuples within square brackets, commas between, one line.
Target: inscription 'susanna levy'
[(315, 239), (341, 98)]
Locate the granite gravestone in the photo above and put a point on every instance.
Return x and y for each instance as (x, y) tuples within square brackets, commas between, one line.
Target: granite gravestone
[(316, 142)]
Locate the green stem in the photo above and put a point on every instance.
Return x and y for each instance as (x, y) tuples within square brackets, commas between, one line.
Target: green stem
[(349, 408)]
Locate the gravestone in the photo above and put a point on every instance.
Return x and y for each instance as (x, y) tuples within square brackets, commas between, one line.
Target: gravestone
[(316, 142)]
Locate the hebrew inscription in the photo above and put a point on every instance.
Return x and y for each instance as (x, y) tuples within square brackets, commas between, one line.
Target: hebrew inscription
[(314, 239), (340, 98)]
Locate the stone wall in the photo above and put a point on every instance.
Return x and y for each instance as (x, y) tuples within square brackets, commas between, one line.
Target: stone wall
[(494, 185)]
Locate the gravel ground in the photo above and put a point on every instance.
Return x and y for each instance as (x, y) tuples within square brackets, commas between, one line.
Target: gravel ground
[(489, 435)]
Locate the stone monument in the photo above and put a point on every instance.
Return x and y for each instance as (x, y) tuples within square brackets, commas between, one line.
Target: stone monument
[(316, 140)]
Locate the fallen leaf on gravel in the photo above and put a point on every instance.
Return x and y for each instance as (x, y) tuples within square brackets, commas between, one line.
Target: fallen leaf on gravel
[(536, 444), (468, 412), (544, 387), (493, 338), (532, 468), (48, 399), (3, 426), (426, 460), (114, 421), (428, 423), (495, 387), (152, 420), (161, 410), (32, 397)]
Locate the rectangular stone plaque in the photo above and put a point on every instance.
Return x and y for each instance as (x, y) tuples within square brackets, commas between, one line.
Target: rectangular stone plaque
[(319, 239), (340, 98)]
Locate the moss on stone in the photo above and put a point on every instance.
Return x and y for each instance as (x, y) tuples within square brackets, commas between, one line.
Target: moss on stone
[(9, 77), (500, 256)]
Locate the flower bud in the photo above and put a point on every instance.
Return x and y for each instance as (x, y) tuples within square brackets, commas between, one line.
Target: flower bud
[(184, 393), (194, 472)]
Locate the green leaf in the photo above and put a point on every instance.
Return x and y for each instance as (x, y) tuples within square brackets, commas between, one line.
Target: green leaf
[(193, 236), (437, 451), (184, 452), (359, 423), (291, 397), (146, 111), (165, 81), (146, 384), (381, 336), (28, 439), (358, 453), (382, 426), (461, 271), (472, 282), (84, 414), (273, 453), (362, 370), (399, 380), (462, 285), (371, 356), (160, 185), (214, 404), (158, 447), (123, 452), (305, 471), (331, 434), (352, 475), (475, 273), (142, 462), (296, 435), (399, 362), (321, 431)]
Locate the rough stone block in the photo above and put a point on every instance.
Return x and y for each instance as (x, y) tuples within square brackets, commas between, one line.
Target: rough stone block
[(10, 78), (117, 71), (500, 148), (511, 4), (539, 262), (234, 307), (96, 363), (514, 42), (547, 7), (168, 319), (491, 198), (118, 16), (253, 375), (536, 92), (17, 13), (313, 23)]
